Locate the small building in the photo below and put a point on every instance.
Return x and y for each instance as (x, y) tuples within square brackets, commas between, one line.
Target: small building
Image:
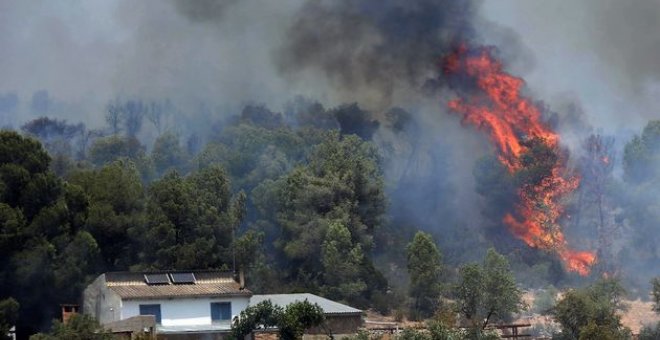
[(340, 320), (184, 304)]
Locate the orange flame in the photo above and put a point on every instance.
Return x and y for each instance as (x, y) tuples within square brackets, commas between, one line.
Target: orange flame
[(510, 119)]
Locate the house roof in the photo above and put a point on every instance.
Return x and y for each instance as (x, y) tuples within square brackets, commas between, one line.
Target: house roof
[(328, 306), (132, 285)]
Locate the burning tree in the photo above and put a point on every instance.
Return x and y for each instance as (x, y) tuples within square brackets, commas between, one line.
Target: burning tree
[(526, 146)]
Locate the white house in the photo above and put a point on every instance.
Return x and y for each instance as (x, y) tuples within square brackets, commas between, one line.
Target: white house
[(181, 302)]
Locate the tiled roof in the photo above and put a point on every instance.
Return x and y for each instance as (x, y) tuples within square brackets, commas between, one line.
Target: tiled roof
[(132, 286), (328, 306)]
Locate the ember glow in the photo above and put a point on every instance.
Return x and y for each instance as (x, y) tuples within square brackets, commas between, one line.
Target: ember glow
[(511, 121)]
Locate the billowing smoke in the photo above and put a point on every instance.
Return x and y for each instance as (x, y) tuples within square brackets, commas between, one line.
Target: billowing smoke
[(374, 46), (204, 10), (602, 52)]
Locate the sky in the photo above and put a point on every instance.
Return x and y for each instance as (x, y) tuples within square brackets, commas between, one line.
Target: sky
[(598, 54)]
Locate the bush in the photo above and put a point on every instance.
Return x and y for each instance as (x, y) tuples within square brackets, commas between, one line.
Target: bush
[(650, 333)]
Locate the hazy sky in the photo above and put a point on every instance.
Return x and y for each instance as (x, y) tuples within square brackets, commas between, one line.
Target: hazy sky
[(600, 53)]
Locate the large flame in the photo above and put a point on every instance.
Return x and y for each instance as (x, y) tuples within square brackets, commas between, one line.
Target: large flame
[(511, 119)]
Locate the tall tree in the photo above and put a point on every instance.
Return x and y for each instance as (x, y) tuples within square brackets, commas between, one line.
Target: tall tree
[(595, 211), (189, 222), (487, 292), (655, 293), (342, 182), (116, 206), (41, 217), (168, 154), (641, 165), (113, 116), (342, 260), (424, 268)]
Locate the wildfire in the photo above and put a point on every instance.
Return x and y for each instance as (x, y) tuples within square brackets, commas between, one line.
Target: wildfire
[(512, 120)]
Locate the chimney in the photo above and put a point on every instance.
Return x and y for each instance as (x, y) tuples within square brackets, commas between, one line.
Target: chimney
[(241, 279), (69, 310)]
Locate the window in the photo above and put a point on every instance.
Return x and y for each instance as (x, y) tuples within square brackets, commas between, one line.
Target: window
[(151, 310), (220, 311)]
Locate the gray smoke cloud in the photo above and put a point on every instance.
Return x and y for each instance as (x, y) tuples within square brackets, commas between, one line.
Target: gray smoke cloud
[(602, 52), (204, 10), (374, 45)]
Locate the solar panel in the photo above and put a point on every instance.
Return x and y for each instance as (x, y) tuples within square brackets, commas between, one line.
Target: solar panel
[(183, 278), (156, 279)]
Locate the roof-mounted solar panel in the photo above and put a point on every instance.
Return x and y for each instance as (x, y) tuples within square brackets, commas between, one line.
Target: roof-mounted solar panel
[(182, 278), (156, 279)]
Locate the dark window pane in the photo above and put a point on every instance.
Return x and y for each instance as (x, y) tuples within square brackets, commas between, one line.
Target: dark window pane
[(151, 310), (220, 311)]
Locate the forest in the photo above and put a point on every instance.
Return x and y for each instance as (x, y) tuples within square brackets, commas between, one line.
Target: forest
[(302, 201)]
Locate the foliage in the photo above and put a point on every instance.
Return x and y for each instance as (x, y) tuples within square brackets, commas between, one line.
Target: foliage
[(655, 293), (297, 317), (8, 315), (424, 268), (262, 315), (167, 154), (291, 321), (78, 327), (341, 186), (189, 222), (41, 222), (439, 331), (341, 260), (641, 155), (487, 291), (56, 135), (650, 332), (116, 206), (591, 313)]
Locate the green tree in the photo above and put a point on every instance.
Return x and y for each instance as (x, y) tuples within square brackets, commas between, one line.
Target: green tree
[(8, 316), (297, 317), (653, 332), (641, 165), (190, 221), (168, 154), (341, 263), (650, 333), (655, 293), (108, 149), (424, 268), (487, 292), (291, 321), (642, 154), (79, 327), (40, 217), (116, 206), (591, 313), (342, 182)]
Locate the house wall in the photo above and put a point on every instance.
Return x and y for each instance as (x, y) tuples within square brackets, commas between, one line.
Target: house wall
[(184, 312), (101, 302)]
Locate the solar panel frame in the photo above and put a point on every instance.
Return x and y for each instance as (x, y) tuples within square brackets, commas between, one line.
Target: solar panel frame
[(157, 279), (183, 278)]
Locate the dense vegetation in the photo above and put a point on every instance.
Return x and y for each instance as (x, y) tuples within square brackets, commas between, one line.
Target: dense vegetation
[(302, 201)]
